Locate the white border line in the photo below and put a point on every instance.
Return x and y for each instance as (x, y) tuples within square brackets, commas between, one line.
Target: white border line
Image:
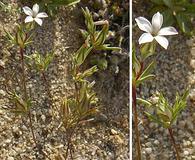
[(130, 84)]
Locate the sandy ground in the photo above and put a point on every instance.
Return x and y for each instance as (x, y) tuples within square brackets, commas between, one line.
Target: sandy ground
[(106, 139)]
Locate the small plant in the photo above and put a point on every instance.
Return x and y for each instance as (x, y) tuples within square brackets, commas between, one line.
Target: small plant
[(81, 107), (22, 37), (95, 39), (180, 12), (166, 114), (142, 69)]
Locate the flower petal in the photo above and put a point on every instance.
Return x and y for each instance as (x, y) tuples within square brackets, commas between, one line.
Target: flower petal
[(35, 9), (146, 37), (39, 21), (162, 41), (28, 19), (157, 21), (167, 31), (144, 24), (42, 15), (27, 11)]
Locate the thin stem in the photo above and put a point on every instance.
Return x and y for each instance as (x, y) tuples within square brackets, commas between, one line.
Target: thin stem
[(174, 144), (138, 144), (69, 143), (25, 91), (23, 73)]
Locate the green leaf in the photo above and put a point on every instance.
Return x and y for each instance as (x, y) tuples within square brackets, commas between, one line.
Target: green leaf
[(184, 23), (189, 9), (169, 3), (84, 33), (144, 102), (158, 8), (82, 54), (147, 50), (87, 73), (102, 35), (102, 63), (168, 18), (89, 21), (153, 118), (148, 70), (106, 47), (143, 79), (135, 61)]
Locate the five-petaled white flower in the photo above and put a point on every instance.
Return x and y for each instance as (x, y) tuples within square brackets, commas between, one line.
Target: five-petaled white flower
[(154, 31), (34, 15)]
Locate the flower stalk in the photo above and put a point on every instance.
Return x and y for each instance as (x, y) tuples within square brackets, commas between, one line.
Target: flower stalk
[(25, 92), (138, 144), (174, 143)]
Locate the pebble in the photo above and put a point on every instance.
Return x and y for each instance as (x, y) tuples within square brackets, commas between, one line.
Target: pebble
[(186, 153), (2, 92), (113, 132), (10, 158), (156, 142), (7, 141), (43, 117), (148, 150), (193, 144)]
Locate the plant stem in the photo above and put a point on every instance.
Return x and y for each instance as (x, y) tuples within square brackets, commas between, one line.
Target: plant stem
[(23, 73), (138, 144), (25, 91), (174, 144), (69, 143)]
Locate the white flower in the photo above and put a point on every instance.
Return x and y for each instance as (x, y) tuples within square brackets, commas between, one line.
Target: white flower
[(34, 15), (154, 31)]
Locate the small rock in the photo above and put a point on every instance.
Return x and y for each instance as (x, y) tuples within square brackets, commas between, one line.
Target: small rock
[(189, 42), (193, 144), (156, 142), (43, 117), (10, 158), (148, 150), (192, 63), (2, 92), (113, 132), (7, 141), (186, 153), (181, 124), (148, 144)]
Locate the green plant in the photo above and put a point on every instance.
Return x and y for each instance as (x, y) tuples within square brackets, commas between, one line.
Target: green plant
[(52, 6), (180, 12), (166, 114), (141, 73), (95, 39), (21, 99), (82, 105), (142, 66)]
